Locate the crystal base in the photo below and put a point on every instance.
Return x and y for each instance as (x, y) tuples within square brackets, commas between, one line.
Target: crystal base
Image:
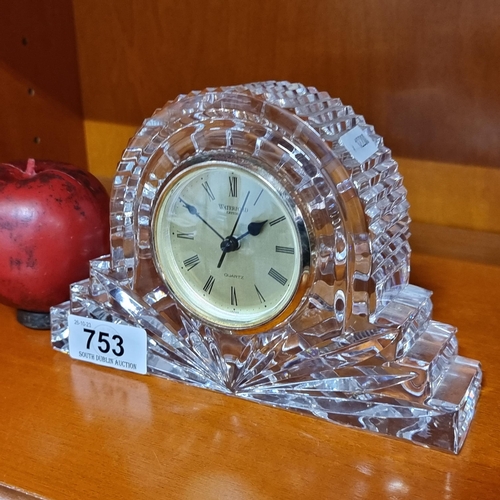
[(400, 376)]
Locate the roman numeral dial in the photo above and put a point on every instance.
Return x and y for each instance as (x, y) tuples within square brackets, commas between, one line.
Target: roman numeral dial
[(209, 284), (288, 250), (261, 297), (277, 220), (191, 262), (233, 186), (234, 298), (208, 190), (275, 275), (227, 244), (185, 236)]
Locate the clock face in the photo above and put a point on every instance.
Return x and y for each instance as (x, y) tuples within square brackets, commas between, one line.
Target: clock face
[(226, 242)]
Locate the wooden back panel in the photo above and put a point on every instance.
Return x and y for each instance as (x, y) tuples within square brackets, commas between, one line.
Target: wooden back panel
[(40, 102), (425, 73)]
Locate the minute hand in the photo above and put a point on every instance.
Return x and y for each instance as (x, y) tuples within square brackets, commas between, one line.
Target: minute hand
[(239, 215), (194, 211)]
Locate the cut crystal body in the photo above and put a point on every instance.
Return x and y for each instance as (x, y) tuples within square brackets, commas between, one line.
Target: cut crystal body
[(361, 348)]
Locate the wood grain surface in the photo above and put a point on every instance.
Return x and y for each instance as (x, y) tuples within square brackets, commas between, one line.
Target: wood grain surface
[(71, 430), (40, 101), (77, 79), (453, 195), (424, 73)]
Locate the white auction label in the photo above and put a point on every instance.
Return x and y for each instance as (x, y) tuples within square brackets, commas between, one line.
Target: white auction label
[(123, 347), (359, 144)]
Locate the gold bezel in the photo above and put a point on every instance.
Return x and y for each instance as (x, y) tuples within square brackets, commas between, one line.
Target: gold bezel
[(302, 282)]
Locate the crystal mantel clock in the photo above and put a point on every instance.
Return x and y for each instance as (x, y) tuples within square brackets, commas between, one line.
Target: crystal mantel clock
[(259, 234)]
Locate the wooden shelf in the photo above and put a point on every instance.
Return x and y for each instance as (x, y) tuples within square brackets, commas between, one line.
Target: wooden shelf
[(71, 430), (424, 74)]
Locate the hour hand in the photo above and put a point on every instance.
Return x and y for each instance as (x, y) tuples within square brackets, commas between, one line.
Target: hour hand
[(253, 229)]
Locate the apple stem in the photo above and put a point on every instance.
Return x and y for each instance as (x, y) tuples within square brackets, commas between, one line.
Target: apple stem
[(30, 167)]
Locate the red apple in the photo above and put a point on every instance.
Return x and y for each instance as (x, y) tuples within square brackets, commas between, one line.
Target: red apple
[(54, 218)]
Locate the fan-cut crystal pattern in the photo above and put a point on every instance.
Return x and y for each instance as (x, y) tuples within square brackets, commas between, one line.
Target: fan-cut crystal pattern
[(361, 349)]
